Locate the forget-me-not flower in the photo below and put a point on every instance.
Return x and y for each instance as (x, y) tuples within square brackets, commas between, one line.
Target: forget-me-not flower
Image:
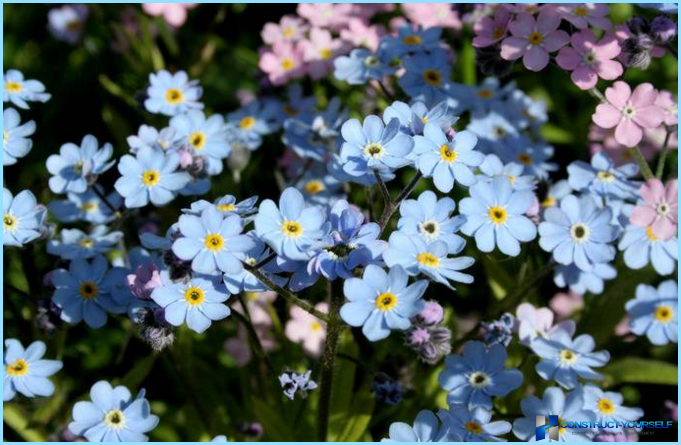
[(411, 40), (474, 377), (226, 204), (87, 207), (641, 247), (603, 178), (360, 66), (609, 407), (582, 282), (414, 118), (74, 243), (15, 141), (245, 281), (249, 124), (208, 137), (494, 131), (473, 424), (430, 219), (75, 168), (25, 370), (533, 156), (492, 168), (22, 218), (654, 312), (483, 98), (426, 428), (19, 91), (172, 94), (381, 301), (427, 76)]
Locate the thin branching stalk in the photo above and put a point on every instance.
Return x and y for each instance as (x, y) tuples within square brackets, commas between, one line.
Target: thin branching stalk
[(663, 156), (642, 164), (392, 206)]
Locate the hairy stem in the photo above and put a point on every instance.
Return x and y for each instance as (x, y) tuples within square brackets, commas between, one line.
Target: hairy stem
[(663, 157), (384, 190), (392, 206), (642, 164)]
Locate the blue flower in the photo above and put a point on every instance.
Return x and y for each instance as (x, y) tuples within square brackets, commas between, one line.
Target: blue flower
[(251, 123), (410, 40), (473, 424), (172, 94), (86, 206), (578, 233), (641, 247), (67, 22), (15, 141), (499, 331), (389, 392), (226, 205), (472, 379), (293, 383), (382, 301), (431, 259), (525, 112), (608, 407), (26, 372), (447, 161), (533, 156), (291, 229), (319, 187), (427, 76), (492, 168), (207, 137), (316, 136), (414, 118), (495, 216), (76, 244), (480, 99), (150, 176), (84, 292), (556, 192), (19, 91), (297, 103), (167, 139), (211, 242), (568, 408), (245, 281), (22, 218), (427, 428), (603, 178), (113, 415), (580, 282), (654, 312), (431, 219), (374, 147), (564, 359), (351, 244), (75, 168), (360, 67), (494, 131), (669, 8), (196, 302)]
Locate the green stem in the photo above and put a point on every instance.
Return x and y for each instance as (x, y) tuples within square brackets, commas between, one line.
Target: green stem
[(642, 164), (391, 207), (253, 336), (333, 327), (663, 157), (384, 190)]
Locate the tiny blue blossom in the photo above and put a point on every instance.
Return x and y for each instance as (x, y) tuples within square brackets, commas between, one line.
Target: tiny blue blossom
[(208, 137), (427, 76), (19, 91), (426, 428), (582, 282), (25, 370), (67, 22), (410, 40), (86, 206), (492, 168), (293, 383), (245, 281), (197, 302), (603, 178), (499, 331), (641, 247), (556, 192), (480, 99), (167, 139), (249, 124), (113, 415), (172, 94), (494, 131), (319, 187), (431, 219), (226, 205), (447, 162), (495, 216), (474, 377), (533, 156), (75, 244), (15, 141), (316, 136), (609, 407), (75, 168), (389, 392), (473, 424), (380, 301), (360, 67), (654, 312), (414, 118), (22, 218)]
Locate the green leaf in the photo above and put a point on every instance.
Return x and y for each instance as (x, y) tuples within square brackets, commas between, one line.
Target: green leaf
[(641, 370), (362, 410), (16, 418), (343, 382), (272, 421), (136, 376), (555, 134), (500, 281)]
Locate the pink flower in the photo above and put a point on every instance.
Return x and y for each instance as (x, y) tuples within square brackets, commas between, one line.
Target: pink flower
[(358, 33), (665, 100), (652, 142), (622, 32), (320, 51), (290, 28), (629, 112), (365, 11), (533, 322), (489, 31), (282, 62), (526, 8), (565, 304), (307, 329), (145, 279), (581, 15), (431, 15), (327, 15), (589, 60), (660, 209), (533, 40), (432, 313), (239, 347), (174, 14)]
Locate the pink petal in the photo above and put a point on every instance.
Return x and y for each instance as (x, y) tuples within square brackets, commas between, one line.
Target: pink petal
[(672, 193), (482, 41), (176, 16), (644, 95), (628, 133), (618, 94), (583, 40), (606, 116), (642, 216), (608, 47), (536, 58), (653, 191), (547, 21), (584, 77), (609, 69), (154, 8), (649, 117), (513, 48), (568, 58), (600, 22), (522, 26), (484, 25), (664, 229), (555, 41)]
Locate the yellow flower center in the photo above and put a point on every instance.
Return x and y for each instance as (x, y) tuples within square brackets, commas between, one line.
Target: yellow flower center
[(9, 222), (287, 64), (288, 109), (194, 295), (86, 242), (498, 33), (412, 40), (525, 159), (428, 259), (649, 233), (214, 242), (18, 368), (447, 153), (605, 176), (511, 179), (292, 229), (561, 430), (424, 119), (550, 201), (497, 214), (226, 207), (386, 301), (316, 326), (325, 53), (432, 77), (581, 11), (252, 296), (568, 357), (14, 87), (5, 138), (485, 93), (314, 186), (288, 32), (90, 206), (88, 290), (198, 140), (374, 150), (664, 314), (151, 177), (606, 406), (174, 96), (473, 427), (246, 122), (535, 38), (115, 419), (579, 233)]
